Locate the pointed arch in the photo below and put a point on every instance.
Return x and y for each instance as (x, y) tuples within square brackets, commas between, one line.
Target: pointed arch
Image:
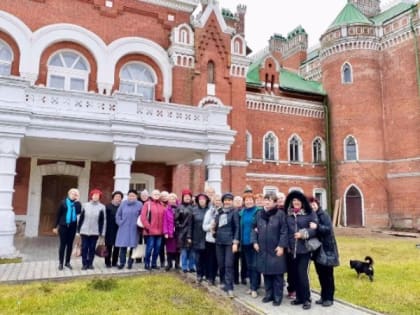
[(354, 212), (295, 148), (248, 139), (318, 150), (270, 147), (238, 45), (351, 151), (346, 73)]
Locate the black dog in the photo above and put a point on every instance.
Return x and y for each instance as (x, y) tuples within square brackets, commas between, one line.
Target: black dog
[(365, 267)]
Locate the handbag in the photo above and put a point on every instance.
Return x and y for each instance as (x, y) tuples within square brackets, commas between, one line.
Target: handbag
[(138, 252), (77, 251), (139, 222), (312, 244), (101, 250)]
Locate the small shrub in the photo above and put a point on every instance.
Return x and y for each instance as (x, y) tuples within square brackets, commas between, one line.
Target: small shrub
[(107, 284)]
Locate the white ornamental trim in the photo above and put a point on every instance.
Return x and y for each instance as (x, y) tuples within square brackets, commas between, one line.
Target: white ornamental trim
[(283, 106), (181, 5)]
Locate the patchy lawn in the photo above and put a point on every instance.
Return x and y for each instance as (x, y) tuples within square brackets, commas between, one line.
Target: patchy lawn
[(395, 289), (156, 294)]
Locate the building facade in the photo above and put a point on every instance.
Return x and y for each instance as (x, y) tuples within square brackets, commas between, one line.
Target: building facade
[(148, 94)]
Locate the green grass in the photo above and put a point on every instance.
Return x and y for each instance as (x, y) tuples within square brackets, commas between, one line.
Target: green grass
[(10, 260), (396, 285), (157, 294)]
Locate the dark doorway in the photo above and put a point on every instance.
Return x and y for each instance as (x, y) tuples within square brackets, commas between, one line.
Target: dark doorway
[(354, 212), (54, 190)]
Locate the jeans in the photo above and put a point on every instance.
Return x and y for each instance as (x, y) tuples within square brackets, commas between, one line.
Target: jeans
[(152, 250), (250, 256), (225, 261), (200, 262), (187, 259), (88, 249), (123, 256), (67, 233)]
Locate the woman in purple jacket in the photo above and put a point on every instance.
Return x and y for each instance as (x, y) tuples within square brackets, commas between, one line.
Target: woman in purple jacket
[(169, 232)]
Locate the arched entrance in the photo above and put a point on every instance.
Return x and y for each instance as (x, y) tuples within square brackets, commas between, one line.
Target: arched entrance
[(354, 207)]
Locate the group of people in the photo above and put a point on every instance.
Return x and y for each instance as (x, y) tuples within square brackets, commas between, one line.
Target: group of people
[(226, 236)]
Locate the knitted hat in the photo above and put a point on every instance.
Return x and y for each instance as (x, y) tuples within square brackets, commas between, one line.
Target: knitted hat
[(186, 191), (95, 191), (227, 195)]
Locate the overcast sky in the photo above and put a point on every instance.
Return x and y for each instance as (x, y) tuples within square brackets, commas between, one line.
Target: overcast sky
[(266, 17)]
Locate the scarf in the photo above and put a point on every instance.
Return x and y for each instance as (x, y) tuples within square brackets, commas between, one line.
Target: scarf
[(267, 214), (71, 211)]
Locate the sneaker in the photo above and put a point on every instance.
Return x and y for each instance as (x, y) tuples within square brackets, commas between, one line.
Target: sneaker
[(230, 294), (291, 295), (254, 294)]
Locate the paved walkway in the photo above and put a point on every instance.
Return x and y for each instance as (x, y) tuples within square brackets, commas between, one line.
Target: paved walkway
[(40, 263)]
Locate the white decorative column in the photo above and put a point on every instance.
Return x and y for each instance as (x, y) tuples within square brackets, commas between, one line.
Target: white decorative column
[(124, 155), (214, 163), (9, 152)]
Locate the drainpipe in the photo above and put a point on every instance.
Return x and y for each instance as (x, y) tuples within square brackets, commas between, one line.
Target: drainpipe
[(328, 155), (416, 48)]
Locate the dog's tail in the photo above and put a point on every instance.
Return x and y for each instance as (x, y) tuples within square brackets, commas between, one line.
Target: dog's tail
[(369, 260)]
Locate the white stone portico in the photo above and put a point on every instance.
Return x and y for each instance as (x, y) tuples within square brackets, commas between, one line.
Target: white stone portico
[(43, 123)]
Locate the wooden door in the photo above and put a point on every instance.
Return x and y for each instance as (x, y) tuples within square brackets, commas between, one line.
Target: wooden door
[(354, 213), (54, 190)]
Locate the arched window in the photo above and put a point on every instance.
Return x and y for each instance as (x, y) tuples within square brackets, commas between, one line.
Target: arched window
[(6, 58), (184, 36), (139, 79), (346, 74), (350, 145), (295, 149), (68, 70), (248, 145), (318, 154), (270, 147), (210, 72)]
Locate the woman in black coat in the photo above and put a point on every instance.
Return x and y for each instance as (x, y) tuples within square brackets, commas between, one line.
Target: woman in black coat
[(299, 217), (270, 239), (111, 230), (66, 225), (326, 257)]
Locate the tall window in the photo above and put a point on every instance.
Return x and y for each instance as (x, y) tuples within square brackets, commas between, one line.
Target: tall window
[(6, 58), (210, 72), (346, 75), (184, 36), (68, 70), (270, 147), (139, 79), (318, 150), (248, 145), (350, 149), (295, 150)]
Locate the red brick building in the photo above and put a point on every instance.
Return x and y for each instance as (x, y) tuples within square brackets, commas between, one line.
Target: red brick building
[(142, 93)]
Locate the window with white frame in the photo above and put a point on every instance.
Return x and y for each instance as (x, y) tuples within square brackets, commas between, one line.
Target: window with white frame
[(139, 79), (295, 149), (183, 36), (6, 58), (350, 149), (248, 140), (318, 152), (68, 70), (321, 195), (346, 74), (270, 190), (270, 147)]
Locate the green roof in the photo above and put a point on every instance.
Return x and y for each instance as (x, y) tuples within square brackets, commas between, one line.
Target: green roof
[(293, 82), (288, 80), (298, 30), (392, 12), (228, 14), (350, 15)]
